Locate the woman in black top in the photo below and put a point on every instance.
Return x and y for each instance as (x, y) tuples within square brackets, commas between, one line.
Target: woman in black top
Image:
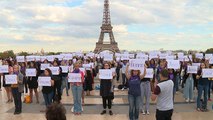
[(33, 83), (88, 80), (106, 91), (7, 87), (58, 82), (48, 90)]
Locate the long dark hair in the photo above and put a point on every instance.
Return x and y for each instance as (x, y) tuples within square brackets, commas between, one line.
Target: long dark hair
[(49, 71)]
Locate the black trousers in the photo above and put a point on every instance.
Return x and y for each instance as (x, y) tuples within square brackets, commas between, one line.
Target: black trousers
[(164, 115), (17, 99), (0, 81), (57, 92), (105, 100), (118, 74)]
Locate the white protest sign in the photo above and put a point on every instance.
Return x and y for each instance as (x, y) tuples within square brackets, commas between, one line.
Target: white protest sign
[(173, 64), (65, 69), (87, 66), (44, 66), (105, 74), (132, 56), (196, 64), (192, 69), (186, 58), (67, 56), (180, 55), (31, 72), (118, 59), (149, 73), (199, 55), (142, 56), (136, 64), (43, 58), (74, 77), (50, 58), (171, 57), (108, 57), (125, 57), (211, 61), (163, 55), (190, 57), (207, 73), (117, 55), (54, 70), (11, 79), (44, 81), (4, 69), (153, 54), (113, 70), (92, 65), (20, 59), (37, 58), (30, 58), (208, 56), (90, 54), (79, 54)]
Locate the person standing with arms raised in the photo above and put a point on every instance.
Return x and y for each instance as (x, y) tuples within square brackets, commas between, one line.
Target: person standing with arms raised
[(134, 93), (164, 94)]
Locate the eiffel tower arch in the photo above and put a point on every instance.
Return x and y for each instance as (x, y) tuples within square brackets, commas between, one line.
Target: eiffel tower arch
[(106, 28)]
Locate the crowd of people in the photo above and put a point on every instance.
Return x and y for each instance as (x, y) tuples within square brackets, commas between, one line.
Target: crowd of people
[(162, 86)]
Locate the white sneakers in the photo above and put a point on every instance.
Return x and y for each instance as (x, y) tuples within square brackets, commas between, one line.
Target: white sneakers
[(187, 100), (145, 113)]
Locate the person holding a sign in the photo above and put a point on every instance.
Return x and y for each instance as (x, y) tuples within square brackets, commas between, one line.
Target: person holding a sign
[(188, 80), (77, 88), (203, 85), (58, 81), (134, 93), (48, 90), (64, 77), (7, 87), (32, 78), (106, 89), (123, 70), (88, 79), (17, 89), (145, 93)]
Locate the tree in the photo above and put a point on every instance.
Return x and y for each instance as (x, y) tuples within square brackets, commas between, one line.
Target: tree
[(23, 54), (7, 54), (210, 50)]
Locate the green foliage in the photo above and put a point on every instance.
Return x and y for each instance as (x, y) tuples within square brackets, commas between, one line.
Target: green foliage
[(7, 54), (23, 54), (210, 50)]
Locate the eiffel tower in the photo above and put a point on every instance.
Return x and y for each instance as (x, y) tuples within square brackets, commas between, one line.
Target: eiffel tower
[(106, 28)]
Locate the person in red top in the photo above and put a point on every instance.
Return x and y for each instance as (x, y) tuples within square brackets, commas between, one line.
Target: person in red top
[(77, 88)]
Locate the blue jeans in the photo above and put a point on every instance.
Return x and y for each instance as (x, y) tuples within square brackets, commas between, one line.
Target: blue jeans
[(134, 106), (188, 89), (177, 82), (77, 94), (145, 94), (48, 98), (64, 85), (202, 88), (17, 99)]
